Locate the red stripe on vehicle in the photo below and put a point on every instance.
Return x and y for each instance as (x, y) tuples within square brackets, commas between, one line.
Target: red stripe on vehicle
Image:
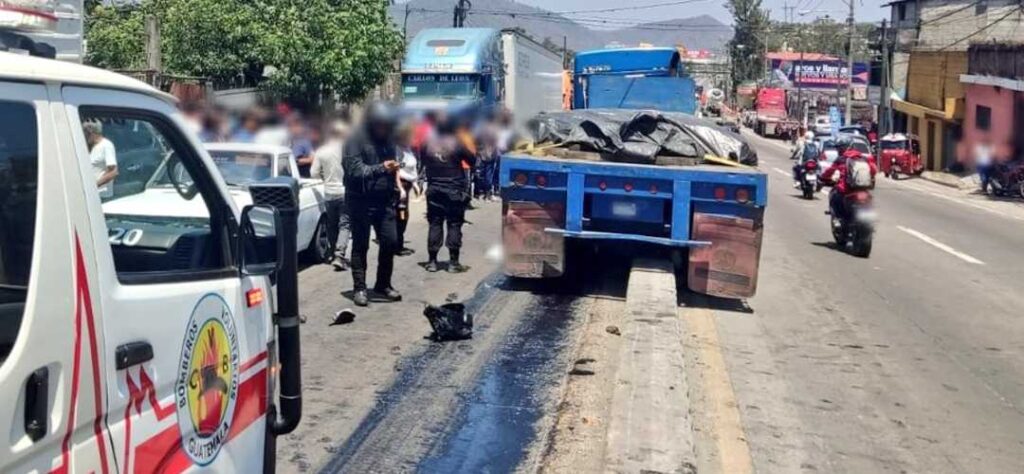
[(83, 306), (163, 454), (262, 356)]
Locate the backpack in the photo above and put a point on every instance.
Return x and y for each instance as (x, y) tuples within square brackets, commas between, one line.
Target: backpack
[(450, 322), (858, 173), (810, 152)]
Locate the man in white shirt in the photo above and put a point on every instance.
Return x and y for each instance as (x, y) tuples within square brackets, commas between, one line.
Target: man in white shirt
[(327, 166), (103, 157)]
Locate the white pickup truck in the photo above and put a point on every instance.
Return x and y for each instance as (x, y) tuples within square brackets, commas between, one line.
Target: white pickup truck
[(240, 164), (148, 340)]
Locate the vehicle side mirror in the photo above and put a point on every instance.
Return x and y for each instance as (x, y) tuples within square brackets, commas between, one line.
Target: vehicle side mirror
[(261, 248)]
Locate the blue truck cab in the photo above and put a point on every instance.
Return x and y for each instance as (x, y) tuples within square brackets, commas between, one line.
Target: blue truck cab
[(453, 68), (712, 214), (632, 78)]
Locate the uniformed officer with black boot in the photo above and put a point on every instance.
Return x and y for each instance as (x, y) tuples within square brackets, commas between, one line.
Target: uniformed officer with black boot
[(371, 192), (447, 194)]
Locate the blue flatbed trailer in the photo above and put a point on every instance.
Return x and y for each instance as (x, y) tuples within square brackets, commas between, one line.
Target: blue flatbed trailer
[(715, 212)]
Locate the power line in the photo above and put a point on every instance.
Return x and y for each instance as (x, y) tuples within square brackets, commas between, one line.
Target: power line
[(1007, 15)]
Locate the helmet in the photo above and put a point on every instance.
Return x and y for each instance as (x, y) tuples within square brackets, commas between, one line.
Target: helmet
[(380, 120), (809, 135), (843, 144)]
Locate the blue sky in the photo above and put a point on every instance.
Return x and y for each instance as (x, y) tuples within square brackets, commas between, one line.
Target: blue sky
[(866, 10)]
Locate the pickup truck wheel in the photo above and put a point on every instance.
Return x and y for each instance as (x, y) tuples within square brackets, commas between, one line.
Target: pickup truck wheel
[(319, 250)]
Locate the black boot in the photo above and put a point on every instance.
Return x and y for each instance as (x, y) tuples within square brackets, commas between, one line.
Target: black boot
[(388, 294), (432, 265), (453, 263)]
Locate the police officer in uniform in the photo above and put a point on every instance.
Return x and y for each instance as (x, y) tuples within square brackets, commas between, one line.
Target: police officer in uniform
[(447, 193), (371, 193)]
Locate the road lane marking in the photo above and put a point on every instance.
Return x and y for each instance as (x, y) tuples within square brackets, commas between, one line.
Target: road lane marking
[(721, 412), (781, 171), (941, 246)]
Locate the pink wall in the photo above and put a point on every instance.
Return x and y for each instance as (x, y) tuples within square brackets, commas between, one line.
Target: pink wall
[(1001, 130)]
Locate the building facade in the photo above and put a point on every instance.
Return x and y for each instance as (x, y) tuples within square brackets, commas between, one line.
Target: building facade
[(994, 100)]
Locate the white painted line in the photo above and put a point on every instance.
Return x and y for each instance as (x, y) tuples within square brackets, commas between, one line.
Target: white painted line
[(963, 200), (941, 246), (782, 172)]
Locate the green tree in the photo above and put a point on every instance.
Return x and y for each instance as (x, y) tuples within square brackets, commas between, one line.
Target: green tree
[(322, 46), (114, 37), (308, 49), (746, 48)]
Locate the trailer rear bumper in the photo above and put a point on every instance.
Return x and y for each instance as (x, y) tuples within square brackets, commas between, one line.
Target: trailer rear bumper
[(594, 235)]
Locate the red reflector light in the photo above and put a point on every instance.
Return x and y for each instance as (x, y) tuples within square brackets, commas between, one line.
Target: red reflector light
[(861, 196), (628, 187), (541, 181), (742, 195), (720, 193), (254, 297), (521, 179), (602, 185), (654, 189)]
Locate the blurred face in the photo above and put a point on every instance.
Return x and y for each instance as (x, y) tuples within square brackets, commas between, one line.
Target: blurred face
[(92, 138), (251, 124)]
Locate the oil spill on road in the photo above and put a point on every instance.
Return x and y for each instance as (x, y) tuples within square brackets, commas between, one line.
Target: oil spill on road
[(498, 424), (492, 414)]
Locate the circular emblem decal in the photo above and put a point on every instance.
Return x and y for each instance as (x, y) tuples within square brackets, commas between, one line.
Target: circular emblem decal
[(207, 384)]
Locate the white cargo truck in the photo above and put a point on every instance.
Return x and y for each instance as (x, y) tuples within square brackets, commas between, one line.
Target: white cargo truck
[(459, 69)]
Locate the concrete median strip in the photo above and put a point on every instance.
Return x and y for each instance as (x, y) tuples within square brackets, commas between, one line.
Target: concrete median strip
[(650, 428), (941, 246)]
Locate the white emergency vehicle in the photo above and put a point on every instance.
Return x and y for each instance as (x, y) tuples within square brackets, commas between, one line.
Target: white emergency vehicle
[(145, 340)]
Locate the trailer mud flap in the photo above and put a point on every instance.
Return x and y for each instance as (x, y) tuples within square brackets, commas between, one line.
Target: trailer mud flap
[(728, 267), (530, 252)]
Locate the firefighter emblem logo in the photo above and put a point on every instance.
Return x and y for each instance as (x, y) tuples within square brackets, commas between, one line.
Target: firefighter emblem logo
[(207, 386)]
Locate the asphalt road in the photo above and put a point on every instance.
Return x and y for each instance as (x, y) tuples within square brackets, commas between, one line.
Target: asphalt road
[(909, 361)]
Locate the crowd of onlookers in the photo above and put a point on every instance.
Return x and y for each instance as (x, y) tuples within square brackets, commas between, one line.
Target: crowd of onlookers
[(373, 167)]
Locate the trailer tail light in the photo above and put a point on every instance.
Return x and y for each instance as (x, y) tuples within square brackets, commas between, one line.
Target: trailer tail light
[(254, 297), (719, 193), (520, 179), (742, 195), (602, 185), (541, 180), (628, 187)]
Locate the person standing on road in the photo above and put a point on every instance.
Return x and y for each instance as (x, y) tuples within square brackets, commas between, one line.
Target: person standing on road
[(327, 166), (369, 167), (408, 175), (447, 195), (983, 163), (103, 157)]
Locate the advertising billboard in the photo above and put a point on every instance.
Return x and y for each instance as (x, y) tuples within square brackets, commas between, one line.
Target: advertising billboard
[(817, 74)]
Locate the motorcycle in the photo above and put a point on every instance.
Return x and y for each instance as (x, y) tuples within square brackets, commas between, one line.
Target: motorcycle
[(1007, 179), (809, 178), (855, 229)]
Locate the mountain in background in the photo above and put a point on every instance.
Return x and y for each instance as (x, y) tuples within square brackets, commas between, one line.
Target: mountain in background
[(698, 32)]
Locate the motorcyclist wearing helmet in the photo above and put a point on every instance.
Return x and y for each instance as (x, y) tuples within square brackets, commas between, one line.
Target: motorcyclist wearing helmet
[(371, 192), (839, 186), (808, 150)]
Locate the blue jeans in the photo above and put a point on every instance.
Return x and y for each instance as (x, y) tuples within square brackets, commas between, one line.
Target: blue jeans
[(985, 173)]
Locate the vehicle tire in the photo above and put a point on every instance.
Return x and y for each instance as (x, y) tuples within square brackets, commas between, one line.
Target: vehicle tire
[(862, 246), (319, 250), (808, 192)]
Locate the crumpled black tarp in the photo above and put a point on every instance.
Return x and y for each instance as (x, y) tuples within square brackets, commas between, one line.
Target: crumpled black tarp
[(637, 135)]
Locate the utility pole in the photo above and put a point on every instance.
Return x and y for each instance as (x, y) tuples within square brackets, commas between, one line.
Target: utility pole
[(886, 115), (154, 62), (405, 23), (767, 32), (849, 64), (461, 11), (565, 55)]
